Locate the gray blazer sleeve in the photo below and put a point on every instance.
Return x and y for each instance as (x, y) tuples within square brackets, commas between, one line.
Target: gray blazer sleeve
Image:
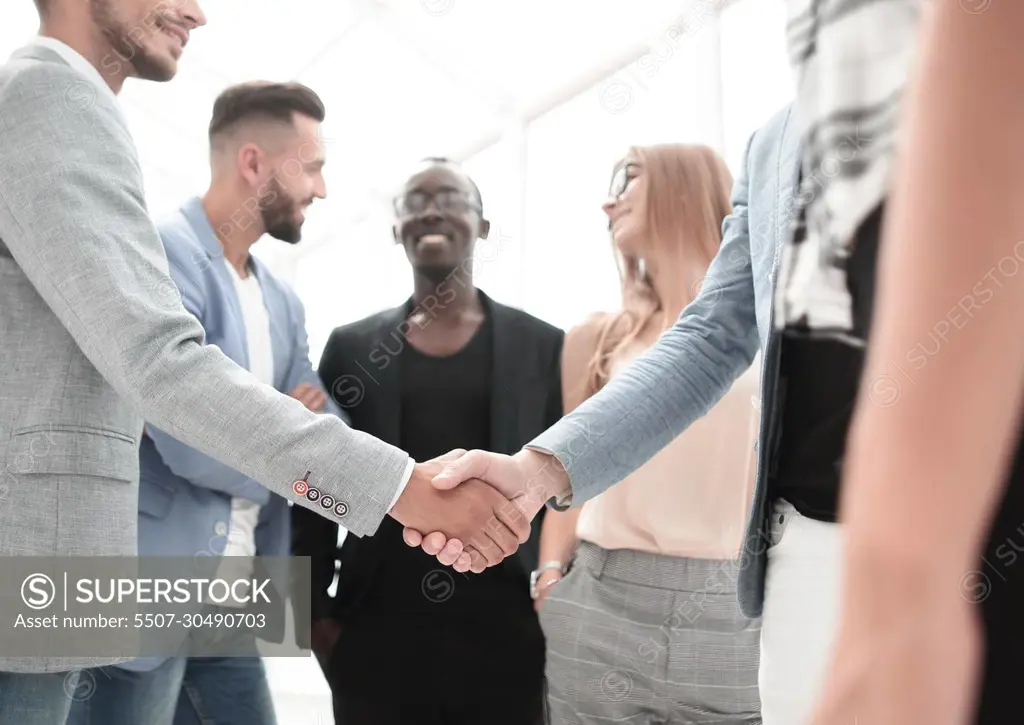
[(677, 381), (73, 216), (195, 467)]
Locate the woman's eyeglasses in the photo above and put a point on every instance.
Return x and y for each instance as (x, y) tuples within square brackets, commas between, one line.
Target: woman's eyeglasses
[(621, 178), (449, 201)]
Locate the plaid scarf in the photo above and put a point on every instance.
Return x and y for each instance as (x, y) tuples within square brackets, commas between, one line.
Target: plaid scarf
[(851, 59)]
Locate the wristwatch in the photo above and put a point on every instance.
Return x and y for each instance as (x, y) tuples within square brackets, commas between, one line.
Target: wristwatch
[(535, 575)]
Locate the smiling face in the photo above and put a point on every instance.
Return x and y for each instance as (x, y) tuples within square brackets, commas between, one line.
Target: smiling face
[(296, 180), (266, 146), (626, 207), (439, 220), (150, 35)]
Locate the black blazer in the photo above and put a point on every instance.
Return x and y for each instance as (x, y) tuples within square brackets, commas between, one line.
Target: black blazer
[(360, 367)]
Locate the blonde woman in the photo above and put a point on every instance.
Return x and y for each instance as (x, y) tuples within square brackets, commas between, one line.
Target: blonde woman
[(646, 623)]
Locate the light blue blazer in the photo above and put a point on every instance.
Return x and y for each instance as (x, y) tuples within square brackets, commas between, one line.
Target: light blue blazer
[(184, 495), (696, 361)]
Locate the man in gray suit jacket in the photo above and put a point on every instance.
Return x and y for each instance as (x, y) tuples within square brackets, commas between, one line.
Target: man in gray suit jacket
[(95, 340)]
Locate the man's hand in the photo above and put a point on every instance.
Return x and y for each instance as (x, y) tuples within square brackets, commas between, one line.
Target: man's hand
[(310, 396), (475, 513), (529, 479)]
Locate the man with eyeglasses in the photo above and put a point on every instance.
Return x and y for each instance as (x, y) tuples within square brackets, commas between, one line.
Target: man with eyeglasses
[(448, 369)]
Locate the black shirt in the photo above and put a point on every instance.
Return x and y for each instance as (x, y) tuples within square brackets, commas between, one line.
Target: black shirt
[(817, 390), (818, 382), (403, 608), (997, 585), (445, 404), (446, 401)]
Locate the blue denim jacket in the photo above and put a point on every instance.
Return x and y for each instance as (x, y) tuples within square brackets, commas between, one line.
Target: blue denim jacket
[(696, 361)]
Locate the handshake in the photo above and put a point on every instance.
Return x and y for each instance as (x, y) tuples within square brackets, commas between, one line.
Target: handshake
[(472, 509)]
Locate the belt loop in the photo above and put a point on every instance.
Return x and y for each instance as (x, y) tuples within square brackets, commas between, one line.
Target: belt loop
[(595, 557)]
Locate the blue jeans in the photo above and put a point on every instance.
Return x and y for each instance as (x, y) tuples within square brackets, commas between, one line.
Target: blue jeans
[(181, 691), (31, 699), (117, 696), (225, 691)]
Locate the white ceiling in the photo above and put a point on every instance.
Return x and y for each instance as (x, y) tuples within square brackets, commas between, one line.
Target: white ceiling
[(401, 79), (404, 79)]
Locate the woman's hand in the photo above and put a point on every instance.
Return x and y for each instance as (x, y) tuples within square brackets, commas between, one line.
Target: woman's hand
[(545, 583)]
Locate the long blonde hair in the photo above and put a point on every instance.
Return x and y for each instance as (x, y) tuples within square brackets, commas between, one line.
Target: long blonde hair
[(688, 188)]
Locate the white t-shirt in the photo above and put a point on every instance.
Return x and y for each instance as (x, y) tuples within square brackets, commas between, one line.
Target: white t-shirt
[(245, 514)]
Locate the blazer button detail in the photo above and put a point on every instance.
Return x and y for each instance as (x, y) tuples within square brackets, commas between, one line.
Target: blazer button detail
[(341, 510), (302, 485), (327, 501), (313, 494)]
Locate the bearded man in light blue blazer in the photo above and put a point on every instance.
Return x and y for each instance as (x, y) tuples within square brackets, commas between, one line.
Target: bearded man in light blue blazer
[(190, 504)]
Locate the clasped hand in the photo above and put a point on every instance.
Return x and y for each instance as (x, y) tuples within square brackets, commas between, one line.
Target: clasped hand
[(475, 506)]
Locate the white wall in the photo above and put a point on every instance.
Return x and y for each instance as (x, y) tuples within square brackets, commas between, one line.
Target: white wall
[(549, 251)]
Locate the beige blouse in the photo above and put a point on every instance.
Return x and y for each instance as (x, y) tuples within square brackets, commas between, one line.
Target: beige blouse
[(692, 498)]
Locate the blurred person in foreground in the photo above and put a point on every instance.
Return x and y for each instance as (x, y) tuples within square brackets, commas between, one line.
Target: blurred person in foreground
[(95, 342), (651, 595), (266, 157), (930, 627), (449, 368)]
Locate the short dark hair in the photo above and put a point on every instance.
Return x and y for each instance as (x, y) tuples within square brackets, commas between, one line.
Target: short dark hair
[(266, 100), (457, 165)]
